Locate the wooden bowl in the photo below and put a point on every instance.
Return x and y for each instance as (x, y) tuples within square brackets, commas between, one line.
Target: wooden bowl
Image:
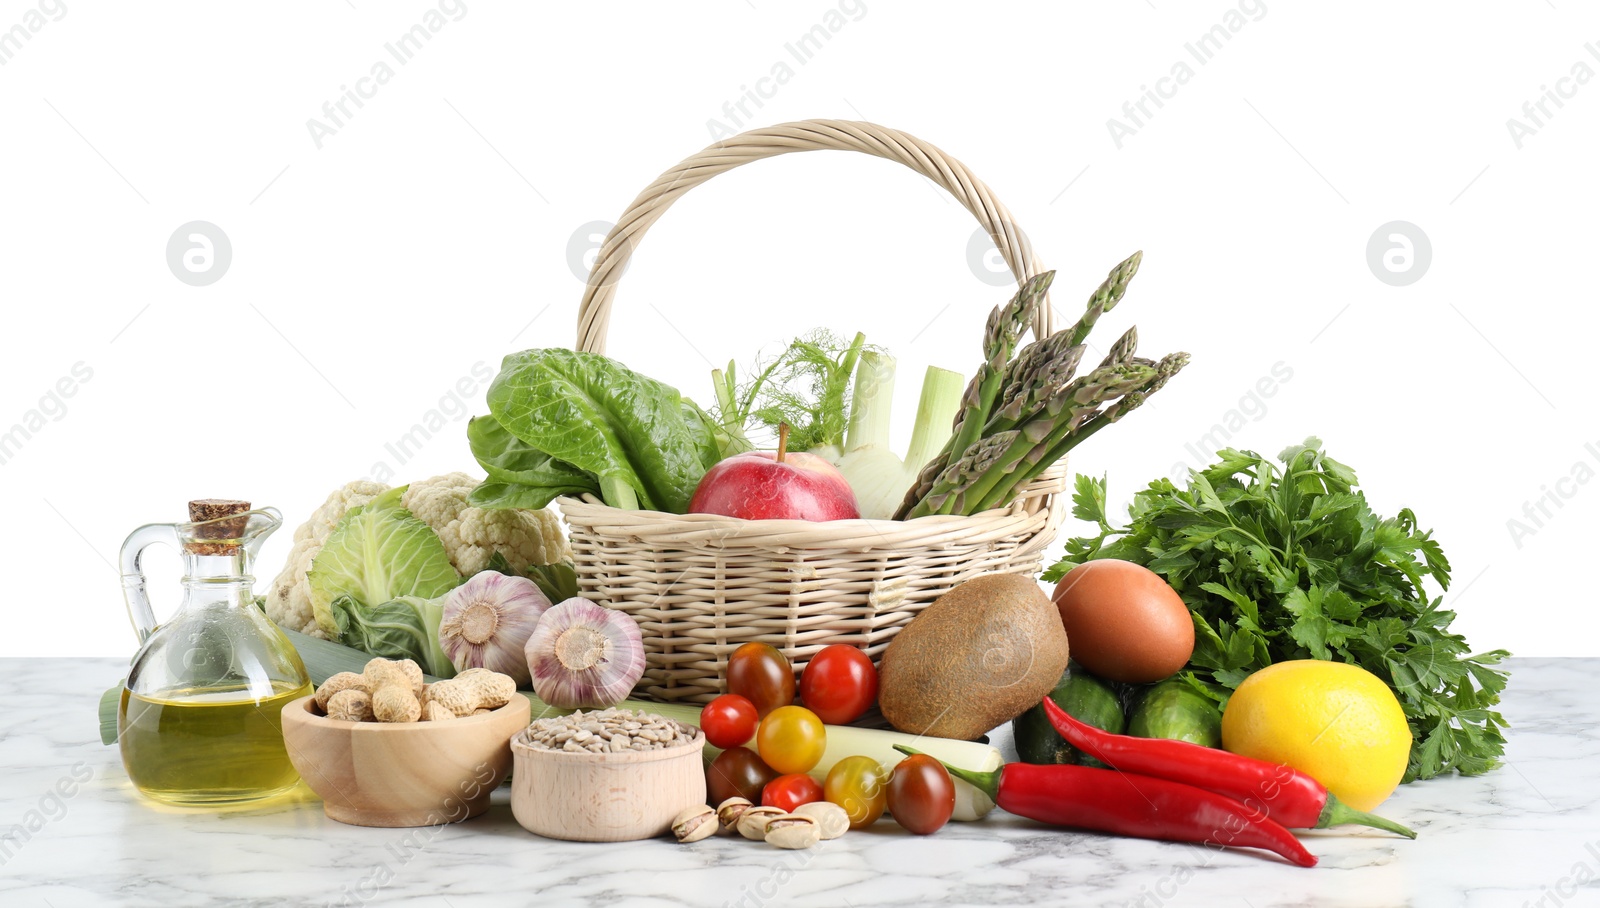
[(402, 774), (605, 797)]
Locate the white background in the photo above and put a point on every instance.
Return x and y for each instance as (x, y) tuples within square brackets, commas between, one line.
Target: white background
[(431, 232)]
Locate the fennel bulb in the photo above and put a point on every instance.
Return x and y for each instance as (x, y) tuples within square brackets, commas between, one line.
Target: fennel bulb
[(877, 475)]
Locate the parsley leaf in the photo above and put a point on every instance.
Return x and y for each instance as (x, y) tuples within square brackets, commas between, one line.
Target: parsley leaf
[(1279, 563)]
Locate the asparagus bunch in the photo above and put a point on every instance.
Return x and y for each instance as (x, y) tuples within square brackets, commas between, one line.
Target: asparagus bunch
[(1020, 415)]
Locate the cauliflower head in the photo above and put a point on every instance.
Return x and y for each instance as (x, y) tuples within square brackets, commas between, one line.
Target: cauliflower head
[(472, 535), (289, 598)]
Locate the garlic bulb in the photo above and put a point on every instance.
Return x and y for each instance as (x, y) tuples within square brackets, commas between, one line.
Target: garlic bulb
[(487, 621), (585, 656)]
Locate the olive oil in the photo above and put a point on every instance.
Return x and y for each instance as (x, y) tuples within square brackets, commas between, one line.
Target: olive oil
[(204, 747)]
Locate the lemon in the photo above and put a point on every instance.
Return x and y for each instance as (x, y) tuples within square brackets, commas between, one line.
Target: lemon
[(1337, 723)]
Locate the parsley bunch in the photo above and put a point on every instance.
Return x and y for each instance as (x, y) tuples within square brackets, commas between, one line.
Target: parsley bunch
[(1291, 563)]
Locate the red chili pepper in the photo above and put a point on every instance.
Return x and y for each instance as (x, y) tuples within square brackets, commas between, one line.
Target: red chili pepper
[(1105, 800), (1285, 794)]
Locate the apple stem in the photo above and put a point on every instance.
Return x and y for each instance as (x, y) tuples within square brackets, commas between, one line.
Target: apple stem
[(783, 440)]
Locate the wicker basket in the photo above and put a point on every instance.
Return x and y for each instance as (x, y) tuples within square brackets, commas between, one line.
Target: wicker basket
[(699, 585)]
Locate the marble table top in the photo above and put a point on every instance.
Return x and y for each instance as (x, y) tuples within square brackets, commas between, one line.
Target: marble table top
[(1525, 834)]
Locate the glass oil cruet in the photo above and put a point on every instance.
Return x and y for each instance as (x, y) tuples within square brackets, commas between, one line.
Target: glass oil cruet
[(200, 720)]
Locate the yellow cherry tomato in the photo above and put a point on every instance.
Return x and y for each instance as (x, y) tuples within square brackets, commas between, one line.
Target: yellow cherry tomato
[(791, 739), (860, 786)]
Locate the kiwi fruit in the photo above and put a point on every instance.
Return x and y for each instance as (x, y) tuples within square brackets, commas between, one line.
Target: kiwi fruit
[(976, 658)]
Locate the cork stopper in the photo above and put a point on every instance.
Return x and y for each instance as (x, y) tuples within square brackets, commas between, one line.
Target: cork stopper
[(203, 511)]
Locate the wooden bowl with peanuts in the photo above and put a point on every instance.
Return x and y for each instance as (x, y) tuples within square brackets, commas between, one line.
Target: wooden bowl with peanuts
[(381, 748)]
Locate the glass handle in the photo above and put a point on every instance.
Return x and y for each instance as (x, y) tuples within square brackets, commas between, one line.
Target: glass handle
[(139, 609)]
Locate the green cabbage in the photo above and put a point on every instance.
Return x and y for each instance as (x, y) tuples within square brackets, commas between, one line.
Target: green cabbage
[(371, 577), (402, 628)]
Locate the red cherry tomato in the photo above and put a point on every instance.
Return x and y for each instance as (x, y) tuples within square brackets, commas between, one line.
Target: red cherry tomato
[(761, 674), (790, 791), (729, 721), (921, 795), (737, 772), (839, 684)]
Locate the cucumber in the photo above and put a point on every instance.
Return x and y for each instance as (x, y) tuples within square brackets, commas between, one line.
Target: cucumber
[(1084, 697), (1175, 709)]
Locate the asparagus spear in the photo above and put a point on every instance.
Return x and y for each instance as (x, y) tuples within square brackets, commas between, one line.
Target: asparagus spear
[(1170, 365), (1032, 442), (1122, 350), (1006, 325), (1021, 415), (1106, 296), (1047, 369), (1038, 372), (980, 457)]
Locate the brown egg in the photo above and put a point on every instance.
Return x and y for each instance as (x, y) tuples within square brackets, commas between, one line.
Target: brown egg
[(1124, 622)]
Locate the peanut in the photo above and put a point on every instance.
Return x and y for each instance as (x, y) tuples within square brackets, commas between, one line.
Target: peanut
[(350, 705), (395, 703), (413, 673), (494, 689), (458, 697), (335, 684), (436, 712), (472, 690), (379, 672)]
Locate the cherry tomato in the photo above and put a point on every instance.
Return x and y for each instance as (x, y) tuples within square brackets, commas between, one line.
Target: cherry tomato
[(857, 785), (839, 684), (729, 721), (790, 791), (737, 772), (791, 739), (921, 795), (760, 674)]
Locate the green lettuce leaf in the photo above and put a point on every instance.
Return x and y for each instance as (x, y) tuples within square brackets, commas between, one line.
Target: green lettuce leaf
[(520, 475), (640, 441)]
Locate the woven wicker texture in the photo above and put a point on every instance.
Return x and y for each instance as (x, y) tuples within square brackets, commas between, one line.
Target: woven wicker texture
[(700, 585)]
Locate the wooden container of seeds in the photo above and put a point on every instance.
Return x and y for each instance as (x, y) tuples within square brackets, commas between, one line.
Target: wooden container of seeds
[(610, 796)]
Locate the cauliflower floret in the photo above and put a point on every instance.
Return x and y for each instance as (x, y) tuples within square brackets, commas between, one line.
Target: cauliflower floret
[(289, 599), (473, 535)]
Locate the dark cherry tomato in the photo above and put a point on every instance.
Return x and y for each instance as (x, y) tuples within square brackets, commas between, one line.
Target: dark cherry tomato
[(921, 795), (760, 674), (839, 684), (729, 721), (737, 772), (790, 791)]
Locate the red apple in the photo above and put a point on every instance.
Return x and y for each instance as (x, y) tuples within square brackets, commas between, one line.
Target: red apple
[(767, 485)]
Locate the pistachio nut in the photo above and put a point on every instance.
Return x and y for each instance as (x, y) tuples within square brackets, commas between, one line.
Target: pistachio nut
[(753, 824), (729, 812), (793, 831), (832, 820), (695, 823)]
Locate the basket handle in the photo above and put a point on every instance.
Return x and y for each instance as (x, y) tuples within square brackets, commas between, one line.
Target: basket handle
[(594, 313)]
